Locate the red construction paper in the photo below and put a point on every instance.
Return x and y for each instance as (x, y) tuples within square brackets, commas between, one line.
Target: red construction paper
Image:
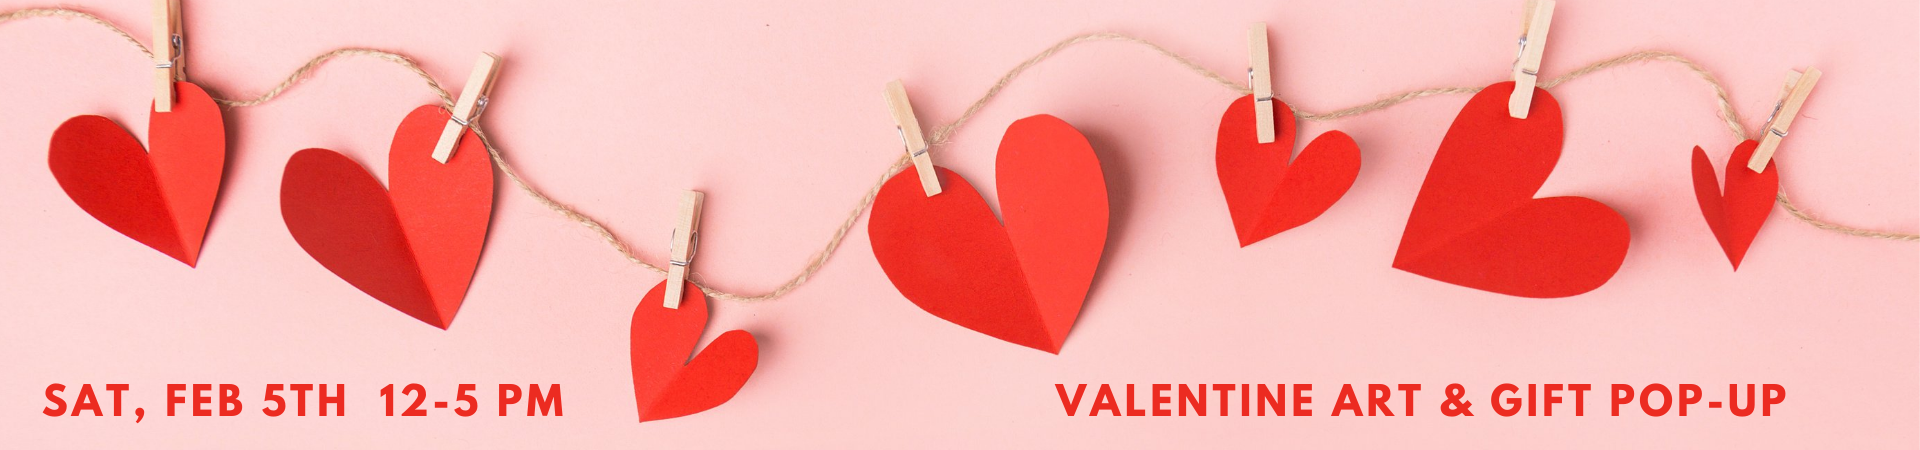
[(1023, 283), (1267, 194), (414, 247), (669, 379), (162, 198), (1736, 215), (1476, 223)]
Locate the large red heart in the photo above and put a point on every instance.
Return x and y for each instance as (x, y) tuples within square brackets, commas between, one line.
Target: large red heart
[(1267, 194), (1735, 216), (1023, 283), (1476, 223), (669, 379), (161, 198), (413, 248)]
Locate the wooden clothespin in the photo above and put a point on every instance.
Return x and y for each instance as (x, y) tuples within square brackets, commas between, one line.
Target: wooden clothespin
[(916, 142), (169, 46), (1533, 44), (472, 103), (1260, 76), (1798, 86), (686, 243)]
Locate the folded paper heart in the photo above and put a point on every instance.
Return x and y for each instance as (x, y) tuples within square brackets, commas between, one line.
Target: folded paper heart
[(1736, 214), (1023, 283), (162, 196), (413, 247), (669, 379), (1266, 193), (1476, 223)]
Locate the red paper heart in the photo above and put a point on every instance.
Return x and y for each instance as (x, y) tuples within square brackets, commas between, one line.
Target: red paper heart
[(1023, 283), (1476, 223), (1267, 194), (669, 379), (1735, 216), (161, 198), (413, 248)]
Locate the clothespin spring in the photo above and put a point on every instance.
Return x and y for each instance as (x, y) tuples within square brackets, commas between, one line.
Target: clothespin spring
[(179, 44), (479, 108), (1520, 55), (693, 248), (903, 141), (1267, 98), (1776, 115)]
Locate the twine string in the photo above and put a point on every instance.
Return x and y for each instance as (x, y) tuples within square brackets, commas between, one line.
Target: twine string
[(305, 70), (943, 134), (76, 14)]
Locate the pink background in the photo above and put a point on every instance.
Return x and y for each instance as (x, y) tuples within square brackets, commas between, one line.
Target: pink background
[(773, 108)]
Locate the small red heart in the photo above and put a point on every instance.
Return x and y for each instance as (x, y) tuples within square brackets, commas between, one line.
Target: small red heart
[(669, 379), (1023, 283), (414, 250), (1735, 216), (162, 198), (1476, 223), (1267, 194)]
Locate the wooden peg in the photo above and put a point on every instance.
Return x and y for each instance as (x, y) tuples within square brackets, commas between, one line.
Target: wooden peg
[(916, 142), (1799, 86), (472, 103), (1533, 45), (1260, 76), (168, 48), (686, 243)]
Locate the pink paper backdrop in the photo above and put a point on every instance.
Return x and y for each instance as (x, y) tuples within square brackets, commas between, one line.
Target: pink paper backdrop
[(773, 108)]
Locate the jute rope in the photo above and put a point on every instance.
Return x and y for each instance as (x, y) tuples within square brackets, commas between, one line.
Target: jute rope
[(943, 134)]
